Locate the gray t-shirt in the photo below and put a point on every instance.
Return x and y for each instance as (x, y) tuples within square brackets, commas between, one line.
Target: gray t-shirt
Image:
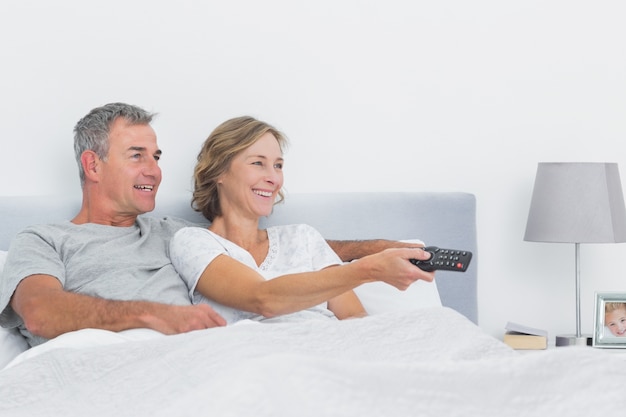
[(116, 263)]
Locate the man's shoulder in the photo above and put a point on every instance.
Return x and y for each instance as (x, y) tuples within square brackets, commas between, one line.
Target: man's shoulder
[(47, 228), (168, 224)]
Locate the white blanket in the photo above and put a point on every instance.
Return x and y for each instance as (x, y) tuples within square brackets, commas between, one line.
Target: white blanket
[(430, 362)]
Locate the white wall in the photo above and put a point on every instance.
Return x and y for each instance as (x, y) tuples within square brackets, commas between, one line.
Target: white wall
[(394, 95)]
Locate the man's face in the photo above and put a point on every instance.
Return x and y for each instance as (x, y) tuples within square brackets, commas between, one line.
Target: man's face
[(130, 175)]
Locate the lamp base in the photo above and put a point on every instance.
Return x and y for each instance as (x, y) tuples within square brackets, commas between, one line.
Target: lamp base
[(573, 340)]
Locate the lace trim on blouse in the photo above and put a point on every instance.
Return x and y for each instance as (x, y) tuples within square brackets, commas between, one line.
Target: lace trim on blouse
[(272, 253)]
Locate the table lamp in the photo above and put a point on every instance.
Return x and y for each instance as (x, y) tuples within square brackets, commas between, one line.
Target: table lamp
[(576, 202)]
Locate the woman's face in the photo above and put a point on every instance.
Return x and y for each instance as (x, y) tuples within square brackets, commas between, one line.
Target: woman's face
[(252, 182), (616, 322)]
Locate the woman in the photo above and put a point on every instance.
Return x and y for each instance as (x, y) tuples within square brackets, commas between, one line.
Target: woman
[(246, 272)]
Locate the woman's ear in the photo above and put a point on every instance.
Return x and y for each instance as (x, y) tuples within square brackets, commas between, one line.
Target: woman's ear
[(90, 163)]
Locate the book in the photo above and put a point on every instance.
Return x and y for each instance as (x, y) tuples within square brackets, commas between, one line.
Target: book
[(523, 337)]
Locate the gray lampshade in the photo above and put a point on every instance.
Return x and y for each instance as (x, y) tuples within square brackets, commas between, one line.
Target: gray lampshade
[(577, 202)]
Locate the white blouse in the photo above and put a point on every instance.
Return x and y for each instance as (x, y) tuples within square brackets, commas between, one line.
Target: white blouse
[(292, 249)]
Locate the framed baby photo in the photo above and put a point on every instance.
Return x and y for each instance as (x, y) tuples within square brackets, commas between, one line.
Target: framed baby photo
[(610, 320)]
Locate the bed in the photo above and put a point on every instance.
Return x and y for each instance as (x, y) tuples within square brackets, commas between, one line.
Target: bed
[(420, 352)]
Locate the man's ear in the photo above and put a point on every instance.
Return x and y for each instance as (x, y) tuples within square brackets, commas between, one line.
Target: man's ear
[(91, 164)]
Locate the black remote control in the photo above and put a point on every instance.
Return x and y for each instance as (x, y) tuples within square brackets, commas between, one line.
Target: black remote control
[(444, 259)]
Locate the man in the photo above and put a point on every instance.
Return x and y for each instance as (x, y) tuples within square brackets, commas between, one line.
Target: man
[(108, 268)]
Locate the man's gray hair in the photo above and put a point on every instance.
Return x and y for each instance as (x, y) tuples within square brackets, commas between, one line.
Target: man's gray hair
[(92, 131)]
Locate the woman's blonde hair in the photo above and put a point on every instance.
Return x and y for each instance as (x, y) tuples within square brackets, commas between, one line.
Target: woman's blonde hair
[(216, 155)]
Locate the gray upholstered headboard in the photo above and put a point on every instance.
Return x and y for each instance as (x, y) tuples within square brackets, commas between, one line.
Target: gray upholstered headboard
[(445, 219)]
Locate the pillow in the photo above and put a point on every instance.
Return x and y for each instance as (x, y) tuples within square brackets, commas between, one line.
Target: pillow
[(12, 343), (378, 297)]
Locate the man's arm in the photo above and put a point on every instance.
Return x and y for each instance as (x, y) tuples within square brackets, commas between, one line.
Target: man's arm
[(49, 311), (349, 250)]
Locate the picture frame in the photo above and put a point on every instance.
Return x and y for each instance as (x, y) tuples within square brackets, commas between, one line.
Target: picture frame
[(610, 320)]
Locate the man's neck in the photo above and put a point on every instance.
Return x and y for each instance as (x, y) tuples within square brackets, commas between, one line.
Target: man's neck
[(84, 217), (98, 214)]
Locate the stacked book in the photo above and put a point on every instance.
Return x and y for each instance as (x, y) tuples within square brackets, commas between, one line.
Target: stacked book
[(523, 337)]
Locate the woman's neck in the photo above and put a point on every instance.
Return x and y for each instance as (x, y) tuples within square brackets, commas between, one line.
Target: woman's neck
[(242, 232)]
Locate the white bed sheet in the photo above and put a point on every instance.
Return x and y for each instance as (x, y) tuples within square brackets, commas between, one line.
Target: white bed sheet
[(429, 362)]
